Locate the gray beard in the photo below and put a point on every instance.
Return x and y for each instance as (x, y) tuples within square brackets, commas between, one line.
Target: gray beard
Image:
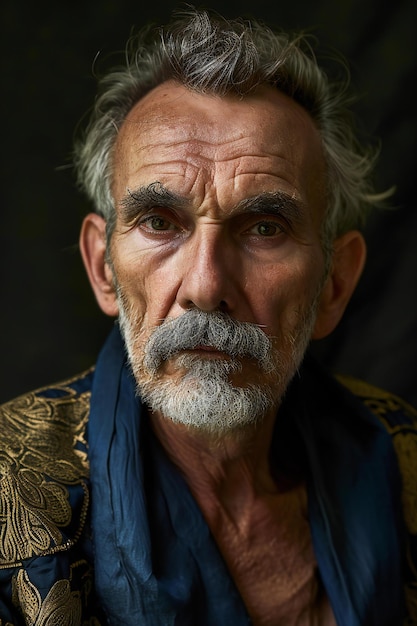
[(203, 397)]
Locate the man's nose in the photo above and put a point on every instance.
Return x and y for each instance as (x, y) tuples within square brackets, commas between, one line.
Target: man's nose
[(210, 268)]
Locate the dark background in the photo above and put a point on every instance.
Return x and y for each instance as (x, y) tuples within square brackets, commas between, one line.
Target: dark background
[(50, 325)]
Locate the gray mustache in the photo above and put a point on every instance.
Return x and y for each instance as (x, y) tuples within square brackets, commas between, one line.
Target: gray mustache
[(218, 330)]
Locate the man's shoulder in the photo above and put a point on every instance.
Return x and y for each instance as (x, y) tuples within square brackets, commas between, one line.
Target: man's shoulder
[(44, 469), (393, 412), (63, 403), (400, 420), (48, 419)]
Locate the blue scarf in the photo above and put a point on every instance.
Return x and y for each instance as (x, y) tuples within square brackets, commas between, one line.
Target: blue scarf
[(156, 563)]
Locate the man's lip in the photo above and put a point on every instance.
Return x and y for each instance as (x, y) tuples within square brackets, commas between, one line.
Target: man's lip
[(206, 348)]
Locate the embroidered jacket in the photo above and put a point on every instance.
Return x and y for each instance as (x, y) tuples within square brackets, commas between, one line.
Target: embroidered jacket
[(46, 554)]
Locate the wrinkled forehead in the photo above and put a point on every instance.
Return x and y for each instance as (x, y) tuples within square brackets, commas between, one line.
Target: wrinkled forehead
[(263, 139), (171, 110)]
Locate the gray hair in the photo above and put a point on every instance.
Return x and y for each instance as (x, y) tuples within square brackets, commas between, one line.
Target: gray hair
[(211, 55)]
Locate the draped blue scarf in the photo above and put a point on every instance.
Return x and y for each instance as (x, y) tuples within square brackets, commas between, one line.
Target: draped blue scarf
[(156, 563)]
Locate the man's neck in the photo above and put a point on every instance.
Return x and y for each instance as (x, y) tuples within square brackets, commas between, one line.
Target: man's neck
[(231, 467)]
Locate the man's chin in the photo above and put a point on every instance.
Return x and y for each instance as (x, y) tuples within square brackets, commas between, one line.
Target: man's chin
[(211, 405)]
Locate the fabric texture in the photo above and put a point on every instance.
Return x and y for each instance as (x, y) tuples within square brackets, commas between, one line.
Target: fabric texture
[(151, 559)]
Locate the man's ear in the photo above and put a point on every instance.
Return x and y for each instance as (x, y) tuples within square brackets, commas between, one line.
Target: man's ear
[(93, 252), (349, 253)]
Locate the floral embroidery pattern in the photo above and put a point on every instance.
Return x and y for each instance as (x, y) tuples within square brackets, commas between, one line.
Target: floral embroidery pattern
[(30, 511), (61, 606), (43, 449)]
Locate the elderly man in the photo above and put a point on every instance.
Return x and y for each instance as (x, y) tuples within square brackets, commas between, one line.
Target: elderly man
[(207, 472)]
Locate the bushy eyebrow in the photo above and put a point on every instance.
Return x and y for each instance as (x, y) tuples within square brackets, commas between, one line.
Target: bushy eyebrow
[(153, 195), (274, 203)]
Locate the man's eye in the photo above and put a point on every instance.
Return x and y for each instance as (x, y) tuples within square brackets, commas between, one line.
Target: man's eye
[(267, 229), (157, 223)]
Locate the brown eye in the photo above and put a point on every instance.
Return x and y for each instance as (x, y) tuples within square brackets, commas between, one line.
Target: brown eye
[(159, 223), (267, 229), (156, 223)]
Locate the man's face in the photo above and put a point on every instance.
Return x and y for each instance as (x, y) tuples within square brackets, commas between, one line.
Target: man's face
[(219, 204)]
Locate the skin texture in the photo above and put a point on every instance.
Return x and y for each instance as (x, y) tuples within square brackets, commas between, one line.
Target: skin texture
[(189, 233)]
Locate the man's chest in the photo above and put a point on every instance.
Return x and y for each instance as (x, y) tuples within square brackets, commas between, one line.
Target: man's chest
[(269, 554)]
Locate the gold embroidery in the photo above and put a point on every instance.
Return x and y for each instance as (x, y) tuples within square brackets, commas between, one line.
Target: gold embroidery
[(31, 508), (404, 438), (61, 606), (43, 432), (43, 449), (406, 449), (380, 402)]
